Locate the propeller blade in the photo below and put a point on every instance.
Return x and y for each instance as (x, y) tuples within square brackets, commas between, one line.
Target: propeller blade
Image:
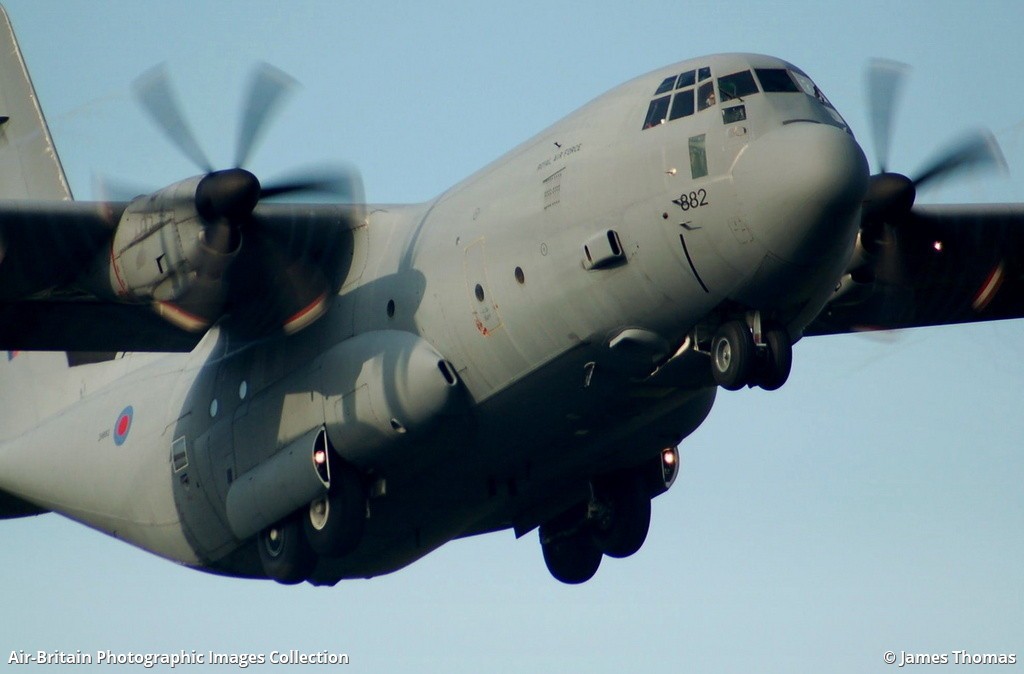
[(979, 149), (267, 89), (885, 80), (155, 94), (344, 183), (107, 189)]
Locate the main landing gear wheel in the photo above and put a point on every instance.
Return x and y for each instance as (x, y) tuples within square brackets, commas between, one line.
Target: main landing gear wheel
[(624, 517), (732, 355), (335, 523), (569, 550), (777, 359), (285, 553)]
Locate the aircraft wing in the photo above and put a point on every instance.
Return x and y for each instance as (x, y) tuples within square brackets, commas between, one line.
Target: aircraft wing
[(937, 265), (48, 248), (45, 247)]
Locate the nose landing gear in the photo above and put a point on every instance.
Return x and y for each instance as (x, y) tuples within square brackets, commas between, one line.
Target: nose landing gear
[(737, 360)]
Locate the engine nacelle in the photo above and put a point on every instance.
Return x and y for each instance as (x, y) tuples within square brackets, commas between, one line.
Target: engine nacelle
[(382, 387), (160, 253)]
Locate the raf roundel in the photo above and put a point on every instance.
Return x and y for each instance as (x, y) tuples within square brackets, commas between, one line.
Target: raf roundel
[(123, 425)]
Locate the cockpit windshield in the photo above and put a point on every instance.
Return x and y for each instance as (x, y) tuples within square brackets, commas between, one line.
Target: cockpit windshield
[(736, 86), (694, 91), (790, 81)]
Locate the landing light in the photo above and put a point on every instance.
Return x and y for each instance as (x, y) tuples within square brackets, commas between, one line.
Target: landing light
[(937, 246), (320, 457), (669, 468)]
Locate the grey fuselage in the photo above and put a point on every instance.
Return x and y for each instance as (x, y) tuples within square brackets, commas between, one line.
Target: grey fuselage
[(568, 283)]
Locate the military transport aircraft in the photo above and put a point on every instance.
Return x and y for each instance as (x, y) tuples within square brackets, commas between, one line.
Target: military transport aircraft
[(313, 392)]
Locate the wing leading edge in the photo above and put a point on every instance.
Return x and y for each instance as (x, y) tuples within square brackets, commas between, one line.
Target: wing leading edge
[(939, 265)]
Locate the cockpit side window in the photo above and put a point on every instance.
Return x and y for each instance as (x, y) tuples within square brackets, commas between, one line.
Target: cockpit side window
[(776, 80), (705, 96), (657, 112), (686, 100), (780, 80), (736, 85), (668, 84), (806, 85)]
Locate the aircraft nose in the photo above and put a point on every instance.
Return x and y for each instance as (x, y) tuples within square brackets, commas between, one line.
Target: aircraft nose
[(801, 186)]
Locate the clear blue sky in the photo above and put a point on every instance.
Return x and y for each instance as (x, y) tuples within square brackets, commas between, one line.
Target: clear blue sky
[(875, 503)]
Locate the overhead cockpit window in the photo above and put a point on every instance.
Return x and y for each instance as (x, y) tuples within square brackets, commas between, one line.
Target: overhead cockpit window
[(776, 79), (667, 85), (705, 96), (687, 79), (736, 85), (657, 112), (682, 104), (703, 74)]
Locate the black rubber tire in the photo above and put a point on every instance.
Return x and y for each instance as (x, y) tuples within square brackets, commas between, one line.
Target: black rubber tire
[(623, 532), (572, 559), (568, 548), (345, 505), (777, 362), (285, 553), (732, 355)]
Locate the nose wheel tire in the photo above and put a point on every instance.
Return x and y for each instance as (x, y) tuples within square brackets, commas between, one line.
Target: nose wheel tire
[(732, 355), (777, 359)]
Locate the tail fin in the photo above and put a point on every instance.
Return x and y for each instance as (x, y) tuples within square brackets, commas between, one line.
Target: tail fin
[(29, 169), (29, 165)]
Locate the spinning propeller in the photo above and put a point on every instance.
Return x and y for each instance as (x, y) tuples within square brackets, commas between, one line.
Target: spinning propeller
[(891, 195), (231, 193), (903, 272), (282, 271)]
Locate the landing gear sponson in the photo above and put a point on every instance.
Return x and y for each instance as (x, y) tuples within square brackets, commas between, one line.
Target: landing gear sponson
[(332, 526), (613, 522), (742, 355)]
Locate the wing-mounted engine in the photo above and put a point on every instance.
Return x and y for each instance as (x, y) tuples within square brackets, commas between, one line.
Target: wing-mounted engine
[(894, 245), (172, 247), (207, 247)]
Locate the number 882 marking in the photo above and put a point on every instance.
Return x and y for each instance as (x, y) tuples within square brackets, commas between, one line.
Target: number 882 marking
[(692, 200)]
